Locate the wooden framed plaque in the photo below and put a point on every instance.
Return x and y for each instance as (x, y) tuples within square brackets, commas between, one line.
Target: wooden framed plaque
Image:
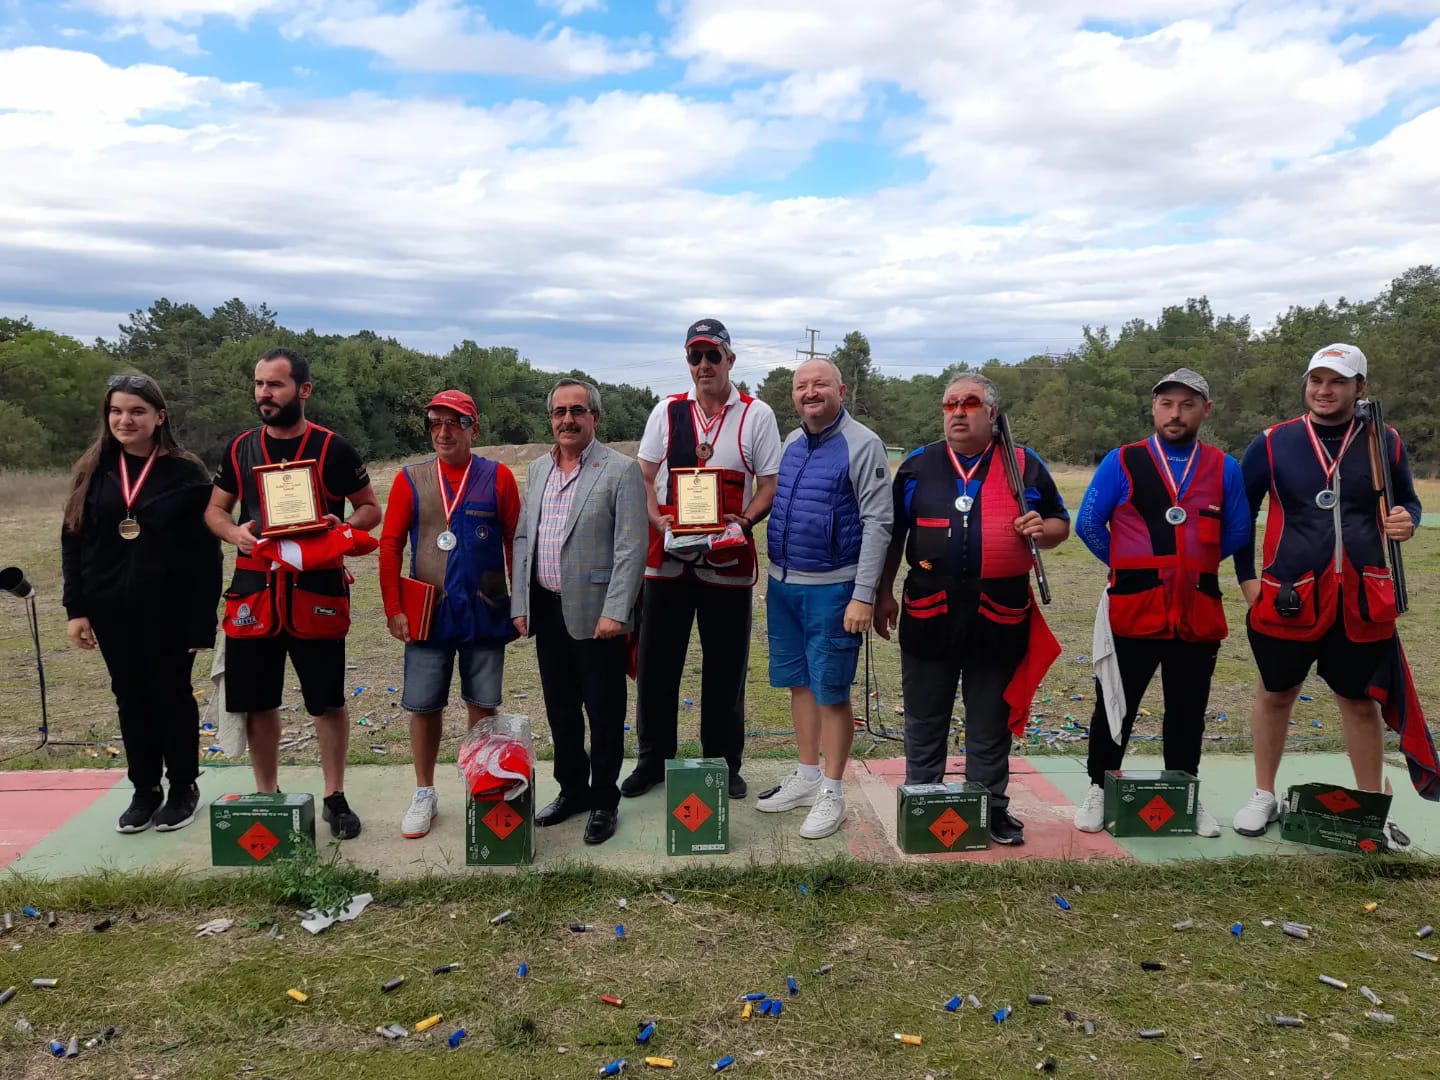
[(696, 493), (290, 498)]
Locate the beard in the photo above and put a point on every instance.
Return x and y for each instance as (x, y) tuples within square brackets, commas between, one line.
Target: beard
[(284, 415)]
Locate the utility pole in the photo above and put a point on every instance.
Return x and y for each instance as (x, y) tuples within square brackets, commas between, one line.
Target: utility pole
[(810, 353)]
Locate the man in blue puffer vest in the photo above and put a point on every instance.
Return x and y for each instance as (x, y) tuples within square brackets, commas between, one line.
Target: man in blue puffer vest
[(827, 535)]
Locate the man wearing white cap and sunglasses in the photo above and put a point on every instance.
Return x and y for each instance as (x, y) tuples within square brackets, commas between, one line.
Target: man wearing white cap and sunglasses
[(1324, 596)]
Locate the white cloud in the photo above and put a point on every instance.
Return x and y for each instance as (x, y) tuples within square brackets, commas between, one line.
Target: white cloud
[(451, 36), (570, 8)]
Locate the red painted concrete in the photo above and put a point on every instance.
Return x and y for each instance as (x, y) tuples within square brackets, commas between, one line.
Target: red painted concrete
[(1046, 812), (35, 804)]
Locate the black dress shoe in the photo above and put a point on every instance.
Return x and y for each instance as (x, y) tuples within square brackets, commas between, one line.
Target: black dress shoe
[(640, 781), (564, 806), (601, 826), (738, 787), (1005, 829)]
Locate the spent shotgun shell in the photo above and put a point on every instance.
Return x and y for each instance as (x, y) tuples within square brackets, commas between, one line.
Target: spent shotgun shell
[(1371, 906), (581, 927), (445, 969), (909, 1040), (1295, 931), (755, 996), (1153, 965), (1424, 931), (660, 1062), (1236, 929), (620, 930), (953, 1004), (1299, 925), (57, 1048), (669, 899), (1188, 924), (1062, 903), (723, 1064), (522, 970), (823, 969), (456, 1037), (764, 1007), (973, 1001), (101, 1037), (1381, 1017), (103, 925), (1001, 1014), (1038, 999), (611, 999), (50, 920), (1089, 1027), (429, 1022), (776, 1008), (748, 1011), (9, 923), (44, 984), (1338, 984), (297, 995), (30, 912), (387, 1031), (392, 984), (792, 985), (1289, 1021), (1370, 996), (504, 916), (6, 994), (1152, 1033), (1430, 956), (645, 1033), (615, 1068)]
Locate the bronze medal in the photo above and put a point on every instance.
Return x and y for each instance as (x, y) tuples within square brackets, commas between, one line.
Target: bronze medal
[(704, 450), (129, 529)]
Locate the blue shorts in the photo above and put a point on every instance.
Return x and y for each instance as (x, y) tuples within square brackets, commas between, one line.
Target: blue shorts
[(428, 669), (808, 642)]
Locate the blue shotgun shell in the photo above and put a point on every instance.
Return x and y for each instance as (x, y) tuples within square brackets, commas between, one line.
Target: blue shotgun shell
[(523, 970), (756, 997), (620, 930), (776, 1007), (953, 1004), (792, 985), (1062, 902), (615, 1068), (724, 1063), (455, 1037), (645, 1033), (1236, 929), (30, 912), (1000, 1015)]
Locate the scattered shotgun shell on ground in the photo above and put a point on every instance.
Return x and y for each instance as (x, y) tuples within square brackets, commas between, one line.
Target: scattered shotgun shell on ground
[(429, 1022), (660, 1062), (1425, 931), (1338, 984), (504, 916), (1152, 1033), (1370, 996), (392, 984), (297, 995), (611, 999), (1153, 965), (44, 984), (1188, 924), (909, 1040), (1038, 999), (1381, 1017), (1289, 1021)]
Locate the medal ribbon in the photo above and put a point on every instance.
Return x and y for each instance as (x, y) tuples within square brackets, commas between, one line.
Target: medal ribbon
[(1322, 455), (128, 493), (702, 426), (1167, 474), (266, 450), (451, 505), (960, 471)]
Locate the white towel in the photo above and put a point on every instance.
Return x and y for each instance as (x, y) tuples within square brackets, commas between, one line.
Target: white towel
[(1107, 667), (229, 725)]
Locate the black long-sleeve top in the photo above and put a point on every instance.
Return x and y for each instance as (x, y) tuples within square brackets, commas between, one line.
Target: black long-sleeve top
[(165, 582)]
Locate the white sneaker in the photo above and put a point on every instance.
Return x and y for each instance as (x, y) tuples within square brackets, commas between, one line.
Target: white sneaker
[(423, 809), (1090, 817), (1396, 839), (1255, 816), (825, 816), (794, 791), (1205, 823)]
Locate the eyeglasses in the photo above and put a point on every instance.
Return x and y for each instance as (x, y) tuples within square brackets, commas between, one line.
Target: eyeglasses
[(445, 423), (574, 411), (127, 382), (968, 404), (694, 356)]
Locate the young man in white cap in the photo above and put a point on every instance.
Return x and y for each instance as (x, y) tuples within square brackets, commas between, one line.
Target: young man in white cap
[(1161, 514), (1324, 596)]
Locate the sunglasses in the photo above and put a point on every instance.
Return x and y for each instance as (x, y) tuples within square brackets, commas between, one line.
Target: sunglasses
[(127, 382), (574, 412), (445, 423), (694, 356), (967, 404)]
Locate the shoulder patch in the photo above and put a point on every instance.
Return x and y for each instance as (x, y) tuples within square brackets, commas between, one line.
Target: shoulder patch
[(880, 471)]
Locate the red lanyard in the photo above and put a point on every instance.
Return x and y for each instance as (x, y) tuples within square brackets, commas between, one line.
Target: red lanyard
[(704, 427), (1167, 474), (266, 450), (1322, 455), (960, 469), (448, 503), (128, 493)]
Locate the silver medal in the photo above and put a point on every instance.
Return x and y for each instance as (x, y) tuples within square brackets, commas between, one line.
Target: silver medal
[(964, 503), (1176, 515), (445, 541), (1326, 499)]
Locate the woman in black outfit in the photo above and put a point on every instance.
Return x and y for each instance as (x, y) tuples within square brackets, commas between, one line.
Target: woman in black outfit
[(142, 581)]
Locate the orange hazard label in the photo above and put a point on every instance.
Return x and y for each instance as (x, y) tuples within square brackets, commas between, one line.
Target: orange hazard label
[(1156, 813), (692, 812), (502, 820), (258, 841), (948, 827)]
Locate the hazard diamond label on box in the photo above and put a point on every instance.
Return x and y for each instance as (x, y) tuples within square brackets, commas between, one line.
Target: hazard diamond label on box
[(502, 820), (949, 827), (258, 841), (1156, 813), (1338, 801), (692, 812)]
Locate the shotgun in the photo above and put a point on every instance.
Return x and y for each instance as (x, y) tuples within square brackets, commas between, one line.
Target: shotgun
[(1017, 487), (1385, 487)]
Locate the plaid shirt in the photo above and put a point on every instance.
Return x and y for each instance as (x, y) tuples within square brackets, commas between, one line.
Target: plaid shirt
[(554, 513)]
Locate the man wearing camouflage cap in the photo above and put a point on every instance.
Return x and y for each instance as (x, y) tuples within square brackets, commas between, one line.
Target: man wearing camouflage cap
[(1161, 514)]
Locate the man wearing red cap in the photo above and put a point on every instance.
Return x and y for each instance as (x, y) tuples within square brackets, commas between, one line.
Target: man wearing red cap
[(458, 512)]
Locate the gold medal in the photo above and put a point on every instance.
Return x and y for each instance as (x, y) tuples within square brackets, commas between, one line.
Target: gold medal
[(129, 529)]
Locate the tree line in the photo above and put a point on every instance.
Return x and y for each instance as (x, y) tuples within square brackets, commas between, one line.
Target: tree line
[(1072, 408)]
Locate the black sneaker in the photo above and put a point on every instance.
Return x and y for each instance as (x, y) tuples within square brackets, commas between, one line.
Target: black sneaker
[(344, 822), (640, 781), (179, 809), (738, 787), (141, 810), (1005, 829)]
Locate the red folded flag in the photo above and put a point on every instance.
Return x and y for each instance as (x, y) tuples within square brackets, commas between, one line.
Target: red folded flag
[(318, 550), (1040, 652)]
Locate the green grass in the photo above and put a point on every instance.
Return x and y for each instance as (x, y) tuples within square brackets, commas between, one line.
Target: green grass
[(900, 941)]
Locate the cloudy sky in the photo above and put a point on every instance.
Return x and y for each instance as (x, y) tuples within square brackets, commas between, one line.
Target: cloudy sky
[(581, 178)]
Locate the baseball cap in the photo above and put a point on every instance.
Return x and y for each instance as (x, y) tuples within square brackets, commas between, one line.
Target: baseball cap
[(1344, 360), (711, 330), (458, 400), (1191, 380)]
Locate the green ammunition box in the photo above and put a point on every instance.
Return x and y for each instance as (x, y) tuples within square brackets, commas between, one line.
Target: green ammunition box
[(247, 830), (1322, 830), (931, 818), (697, 806), (501, 832), (1367, 808), (1153, 803)]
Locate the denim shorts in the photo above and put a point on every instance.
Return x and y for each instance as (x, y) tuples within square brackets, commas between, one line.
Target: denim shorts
[(808, 642), (428, 669)]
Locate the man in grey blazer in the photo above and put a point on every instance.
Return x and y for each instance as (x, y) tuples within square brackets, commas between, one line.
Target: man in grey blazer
[(579, 563)]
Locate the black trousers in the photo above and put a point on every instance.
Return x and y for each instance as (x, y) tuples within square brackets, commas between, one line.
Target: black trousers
[(159, 718), (668, 611), (987, 655), (587, 673), (1186, 668)]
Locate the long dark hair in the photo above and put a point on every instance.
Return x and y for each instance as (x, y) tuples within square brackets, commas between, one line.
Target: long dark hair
[(106, 446)]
